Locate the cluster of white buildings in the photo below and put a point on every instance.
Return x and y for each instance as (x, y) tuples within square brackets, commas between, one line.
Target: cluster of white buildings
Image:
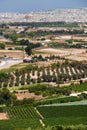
[(67, 15), (12, 17)]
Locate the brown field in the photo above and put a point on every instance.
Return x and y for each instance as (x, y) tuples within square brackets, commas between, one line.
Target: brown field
[(68, 37), (21, 96), (4, 40), (3, 116), (79, 57), (83, 38), (11, 53), (62, 51), (73, 54)]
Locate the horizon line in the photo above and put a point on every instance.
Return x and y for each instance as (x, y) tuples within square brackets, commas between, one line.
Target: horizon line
[(42, 10)]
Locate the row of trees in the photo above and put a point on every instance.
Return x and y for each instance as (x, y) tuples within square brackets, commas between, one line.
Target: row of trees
[(58, 73), (45, 24), (40, 33)]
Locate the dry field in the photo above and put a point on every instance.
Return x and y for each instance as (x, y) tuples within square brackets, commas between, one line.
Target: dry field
[(73, 54), (63, 37), (83, 38), (68, 37), (53, 51), (3, 116), (62, 51), (21, 96), (11, 53), (4, 40), (79, 57)]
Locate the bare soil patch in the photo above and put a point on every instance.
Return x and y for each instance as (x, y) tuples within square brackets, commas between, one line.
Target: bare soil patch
[(3, 116), (21, 96), (72, 54), (11, 53), (62, 51)]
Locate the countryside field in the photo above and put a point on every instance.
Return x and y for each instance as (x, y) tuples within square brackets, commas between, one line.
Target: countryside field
[(64, 115), (19, 124), (22, 112), (72, 53), (20, 117), (36, 93), (26, 116)]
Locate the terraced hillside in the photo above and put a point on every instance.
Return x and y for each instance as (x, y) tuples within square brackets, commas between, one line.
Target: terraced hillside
[(57, 73)]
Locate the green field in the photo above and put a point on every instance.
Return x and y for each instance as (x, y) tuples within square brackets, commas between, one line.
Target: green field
[(66, 121), (58, 100), (20, 117), (64, 115), (25, 116), (77, 88), (22, 112), (19, 124), (63, 111)]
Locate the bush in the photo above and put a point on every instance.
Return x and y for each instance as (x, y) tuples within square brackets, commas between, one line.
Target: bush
[(2, 46)]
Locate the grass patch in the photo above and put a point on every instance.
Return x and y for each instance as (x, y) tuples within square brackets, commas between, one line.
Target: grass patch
[(19, 124), (77, 87), (65, 121), (58, 100)]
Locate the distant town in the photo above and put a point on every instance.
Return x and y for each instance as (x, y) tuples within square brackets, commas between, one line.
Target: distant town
[(66, 15)]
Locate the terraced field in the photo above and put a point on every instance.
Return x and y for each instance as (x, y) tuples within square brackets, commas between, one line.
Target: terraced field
[(57, 73)]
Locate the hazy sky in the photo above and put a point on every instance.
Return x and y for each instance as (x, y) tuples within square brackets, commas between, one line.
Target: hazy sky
[(32, 5)]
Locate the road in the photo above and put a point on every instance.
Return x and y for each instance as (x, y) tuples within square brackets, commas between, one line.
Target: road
[(82, 102), (5, 63)]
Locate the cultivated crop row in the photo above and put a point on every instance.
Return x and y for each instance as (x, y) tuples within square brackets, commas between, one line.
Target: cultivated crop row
[(22, 112)]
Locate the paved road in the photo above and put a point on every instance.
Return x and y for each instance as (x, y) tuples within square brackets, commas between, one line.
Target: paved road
[(5, 63)]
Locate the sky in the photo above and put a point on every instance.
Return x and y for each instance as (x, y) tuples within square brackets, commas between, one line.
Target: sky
[(35, 5)]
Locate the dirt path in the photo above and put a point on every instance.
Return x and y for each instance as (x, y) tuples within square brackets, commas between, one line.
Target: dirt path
[(41, 122), (39, 113)]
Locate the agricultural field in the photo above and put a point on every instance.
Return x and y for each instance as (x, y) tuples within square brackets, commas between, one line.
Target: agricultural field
[(26, 116), (58, 73), (11, 53), (62, 51), (59, 100), (20, 117), (69, 53), (63, 111), (66, 121), (36, 92), (22, 112), (19, 124), (76, 88), (64, 115)]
